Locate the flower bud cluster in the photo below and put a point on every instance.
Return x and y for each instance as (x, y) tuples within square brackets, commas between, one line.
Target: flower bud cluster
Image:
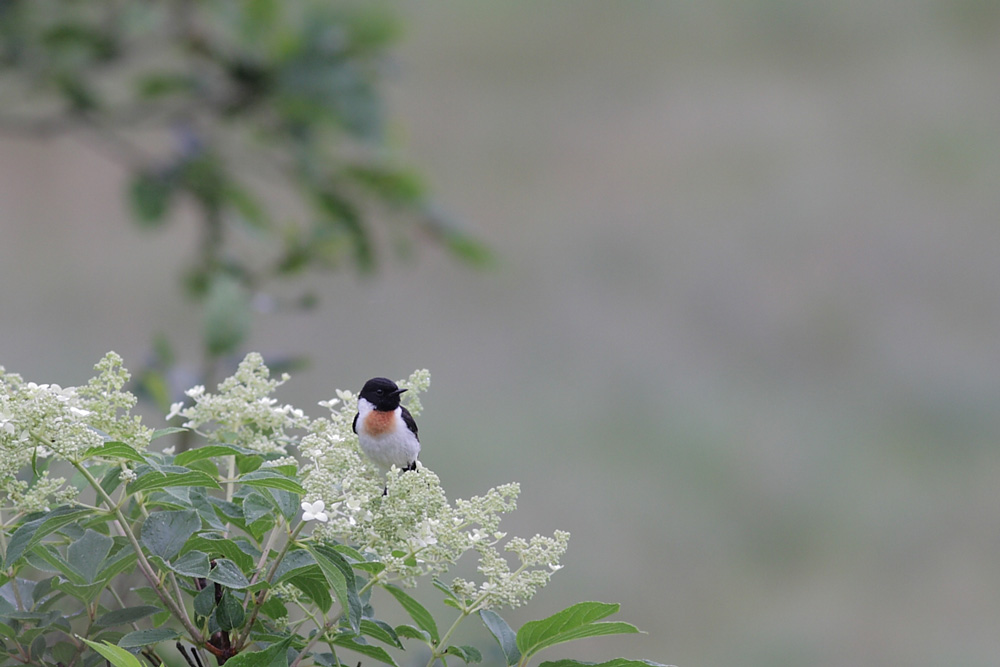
[(243, 412), (43, 420)]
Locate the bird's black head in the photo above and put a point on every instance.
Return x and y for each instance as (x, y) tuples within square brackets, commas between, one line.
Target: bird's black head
[(382, 393)]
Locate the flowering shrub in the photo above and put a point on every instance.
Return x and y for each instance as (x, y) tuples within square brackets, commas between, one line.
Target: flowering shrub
[(262, 546)]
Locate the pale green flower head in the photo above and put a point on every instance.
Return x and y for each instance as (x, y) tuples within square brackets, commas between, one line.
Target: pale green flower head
[(243, 412), (42, 420), (109, 405)]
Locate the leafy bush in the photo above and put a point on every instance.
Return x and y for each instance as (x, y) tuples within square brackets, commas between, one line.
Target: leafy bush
[(261, 545)]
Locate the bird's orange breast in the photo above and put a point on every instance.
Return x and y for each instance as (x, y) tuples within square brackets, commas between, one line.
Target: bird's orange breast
[(378, 422)]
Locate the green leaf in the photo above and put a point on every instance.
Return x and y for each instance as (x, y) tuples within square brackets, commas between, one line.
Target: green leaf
[(146, 637), (268, 479), (617, 662), (293, 564), (204, 601), (575, 622), (466, 653), (274, 608), (273, 656), (317, 590), (114, 451), (191, 564), (228, 573), (32, 532), (410, 632), (229, 612), (158, 480), (340, 577), (374, 652), (122, 561), (84, 592), (126, 615), (170, 430), (46, 558), (421, 616), (164, 533), (381, 631), (256, 506), (87, 553), (503, 634), (215, 546), (207, 452), (116, 655)]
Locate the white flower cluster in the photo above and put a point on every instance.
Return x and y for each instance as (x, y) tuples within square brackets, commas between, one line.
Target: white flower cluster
[(243, 412), (42, 420), (412, 528), (539, 559)]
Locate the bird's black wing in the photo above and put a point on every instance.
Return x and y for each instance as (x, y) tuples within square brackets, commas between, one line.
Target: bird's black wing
[(355, 424), (408, 420)]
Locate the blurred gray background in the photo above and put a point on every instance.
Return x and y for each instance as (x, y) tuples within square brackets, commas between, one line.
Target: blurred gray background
[(741, 337)]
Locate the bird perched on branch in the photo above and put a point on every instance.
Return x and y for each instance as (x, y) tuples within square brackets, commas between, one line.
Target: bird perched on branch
[(386, 430)]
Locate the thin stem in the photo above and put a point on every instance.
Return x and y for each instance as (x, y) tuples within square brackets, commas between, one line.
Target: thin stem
[(262, 596), (443, 643)]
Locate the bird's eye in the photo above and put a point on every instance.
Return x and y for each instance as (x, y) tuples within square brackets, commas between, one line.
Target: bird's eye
[(380, 392)]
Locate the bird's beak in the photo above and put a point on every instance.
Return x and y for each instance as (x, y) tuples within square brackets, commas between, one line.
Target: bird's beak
[(399, 391)]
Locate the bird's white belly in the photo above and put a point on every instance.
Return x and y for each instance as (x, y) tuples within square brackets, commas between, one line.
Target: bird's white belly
[(391, 449)]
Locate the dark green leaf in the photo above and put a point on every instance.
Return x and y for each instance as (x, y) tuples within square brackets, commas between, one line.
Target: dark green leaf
[(273, 656), (256, 506), (207, 452), (158, 480), (265, 479), (164, 533), (381, 631), (146, 637), (228, 548), (86, 593), (32, 532), (204, 601), (274, 608), (410, 632), (228, 573), (575, 622), (293, 564), (37, 648), (191, 564), (340, 577), (46, 558), (87, 553), (120, 562), (317, 590), (229, 612), (421, 616), (503, 634), (466, 653), (126, 615), (114, 451), (374, 652)]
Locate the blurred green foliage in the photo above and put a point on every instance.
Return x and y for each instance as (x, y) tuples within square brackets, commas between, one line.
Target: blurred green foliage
[(264, 117)]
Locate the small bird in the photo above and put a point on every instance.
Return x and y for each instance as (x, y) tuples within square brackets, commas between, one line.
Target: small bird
[(386, 430)]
